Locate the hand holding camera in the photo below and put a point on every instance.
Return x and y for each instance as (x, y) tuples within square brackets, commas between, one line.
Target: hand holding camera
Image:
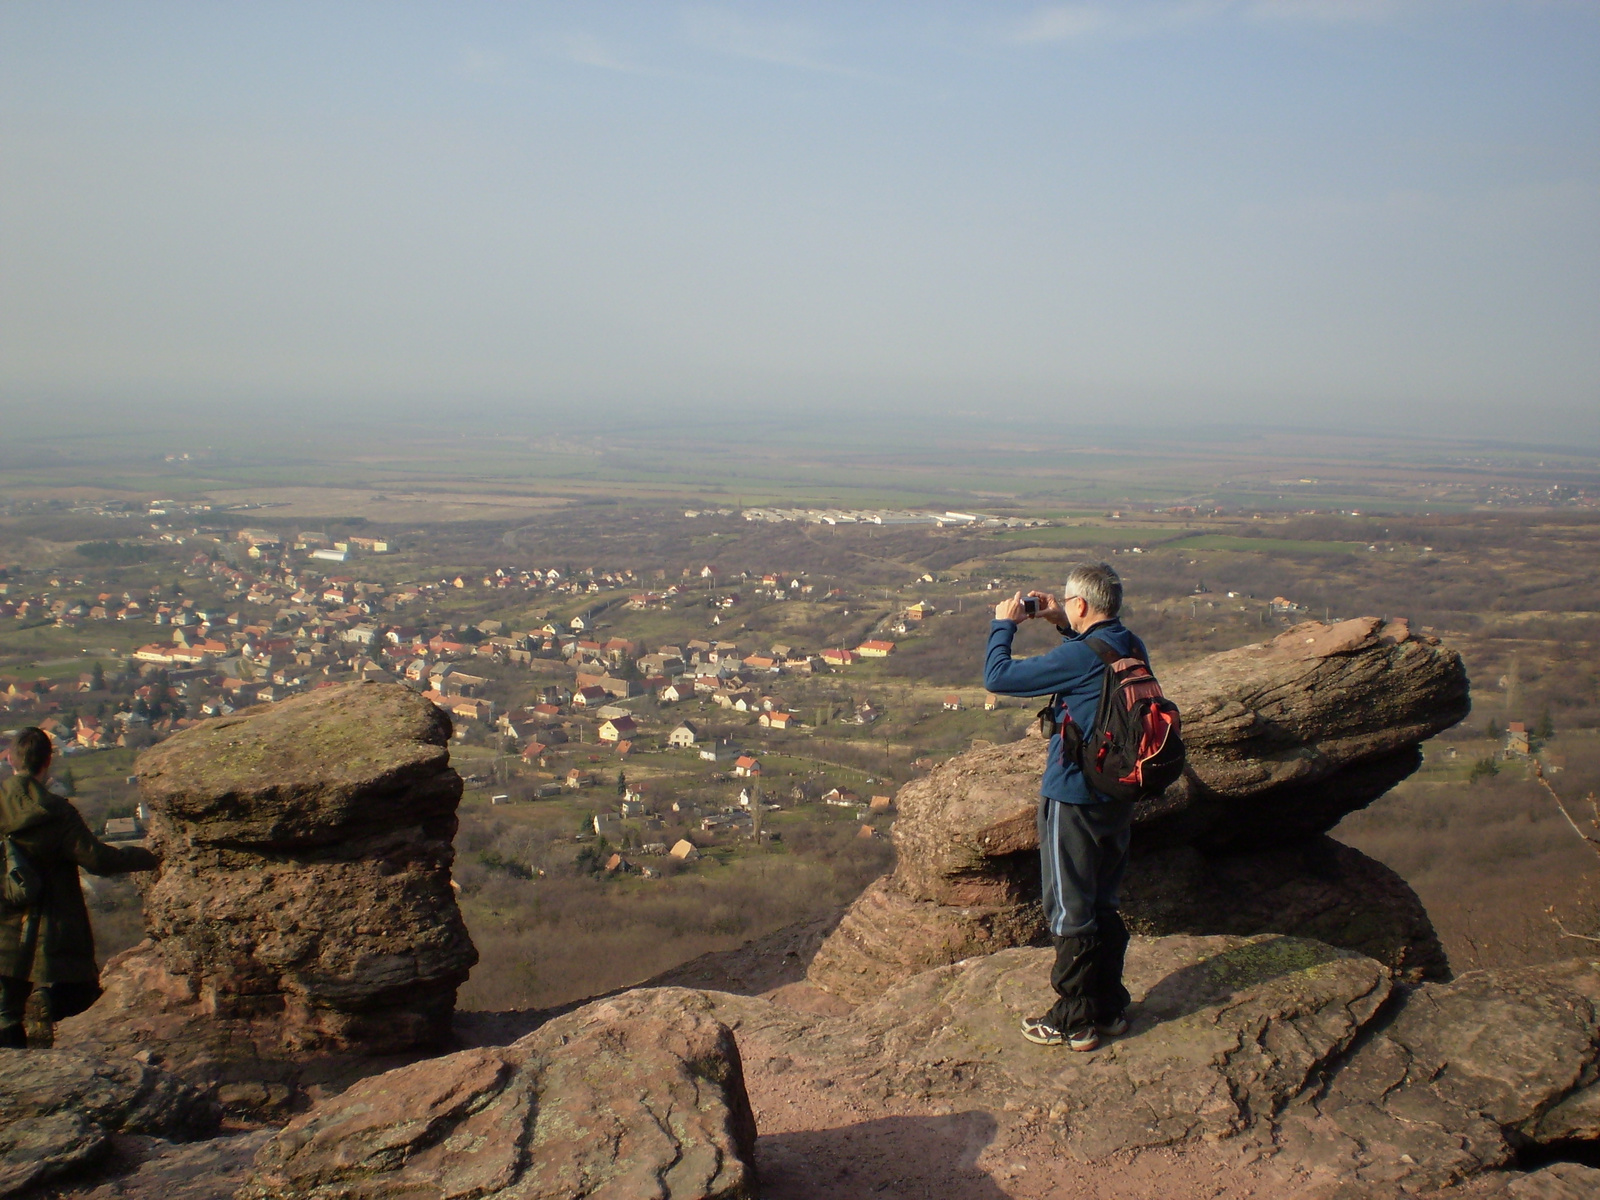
[(1021, 608)]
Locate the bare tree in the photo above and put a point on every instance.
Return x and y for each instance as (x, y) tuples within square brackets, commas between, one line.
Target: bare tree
[(1588, 839)]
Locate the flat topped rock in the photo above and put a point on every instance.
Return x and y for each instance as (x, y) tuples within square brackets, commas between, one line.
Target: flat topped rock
[(306, 769), (304, 905)]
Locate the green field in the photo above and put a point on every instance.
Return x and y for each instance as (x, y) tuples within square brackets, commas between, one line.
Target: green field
[(1261, 545)]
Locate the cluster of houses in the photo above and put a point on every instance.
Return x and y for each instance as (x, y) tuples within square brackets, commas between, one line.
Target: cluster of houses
[(22, 604), (284, 626), (144, 714)]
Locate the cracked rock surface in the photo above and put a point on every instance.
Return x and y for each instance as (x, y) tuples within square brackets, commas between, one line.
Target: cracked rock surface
[(627, 1099), (60, 1108), (1462, 1076), (1225, 1030), (1308, 1054)]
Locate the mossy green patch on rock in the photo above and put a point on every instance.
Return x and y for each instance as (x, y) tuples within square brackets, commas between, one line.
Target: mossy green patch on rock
[(1263, 959), (306, 770), (344, 732)]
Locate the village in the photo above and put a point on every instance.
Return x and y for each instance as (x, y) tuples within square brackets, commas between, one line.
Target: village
[(713, 730)]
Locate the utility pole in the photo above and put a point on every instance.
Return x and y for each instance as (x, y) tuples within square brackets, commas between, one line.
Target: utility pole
[(755, 810)]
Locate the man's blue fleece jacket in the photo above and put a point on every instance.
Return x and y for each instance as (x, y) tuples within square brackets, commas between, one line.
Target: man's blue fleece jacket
[(1070, 673)]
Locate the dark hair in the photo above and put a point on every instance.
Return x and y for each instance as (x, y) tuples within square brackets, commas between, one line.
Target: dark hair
[(33, 749), (1099, 586)]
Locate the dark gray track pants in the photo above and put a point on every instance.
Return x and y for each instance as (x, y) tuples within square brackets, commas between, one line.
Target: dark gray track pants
[(1083, 855)]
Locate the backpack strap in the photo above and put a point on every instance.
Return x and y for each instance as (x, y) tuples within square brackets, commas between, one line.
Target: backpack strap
[(1107, 655), (1072, 735)]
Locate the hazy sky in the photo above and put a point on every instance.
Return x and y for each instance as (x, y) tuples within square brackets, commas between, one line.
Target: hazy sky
[(1334, 211)]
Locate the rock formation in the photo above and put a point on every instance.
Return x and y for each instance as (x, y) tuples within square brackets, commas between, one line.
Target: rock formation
[(1294, 1049), (304, 904), (1284, 739), (60, 1108), (642, 1095), (1462, 1076)]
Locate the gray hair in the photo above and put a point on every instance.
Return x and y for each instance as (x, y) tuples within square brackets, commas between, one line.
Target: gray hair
[(1099, 586)]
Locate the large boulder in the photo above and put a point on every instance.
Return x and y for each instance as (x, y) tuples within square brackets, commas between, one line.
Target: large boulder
[(332, 766), (304, 905), (641, 1095), (60, 1108), (1285, 738)]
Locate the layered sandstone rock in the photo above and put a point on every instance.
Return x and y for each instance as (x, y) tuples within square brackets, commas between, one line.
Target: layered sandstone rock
[(304, 903), (1305, 1062), (1284, 738), (887, 936), (1287, 737), (642, 1095)]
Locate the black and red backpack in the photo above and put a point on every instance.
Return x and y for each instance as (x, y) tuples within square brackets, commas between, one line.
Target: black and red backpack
[(1134, 748)]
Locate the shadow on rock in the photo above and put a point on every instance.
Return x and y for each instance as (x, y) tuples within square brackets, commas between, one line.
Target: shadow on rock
[(890, 1157), (1237, 969)]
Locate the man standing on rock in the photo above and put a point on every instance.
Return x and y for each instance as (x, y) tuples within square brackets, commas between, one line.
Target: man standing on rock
[(51, 942), (1083, 834)]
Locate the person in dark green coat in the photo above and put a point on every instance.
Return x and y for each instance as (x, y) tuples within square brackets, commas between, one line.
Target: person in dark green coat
[(50, 943)]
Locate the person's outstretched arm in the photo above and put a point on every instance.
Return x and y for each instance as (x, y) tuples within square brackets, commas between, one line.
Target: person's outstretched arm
[(95, 856), (1041, 675)]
